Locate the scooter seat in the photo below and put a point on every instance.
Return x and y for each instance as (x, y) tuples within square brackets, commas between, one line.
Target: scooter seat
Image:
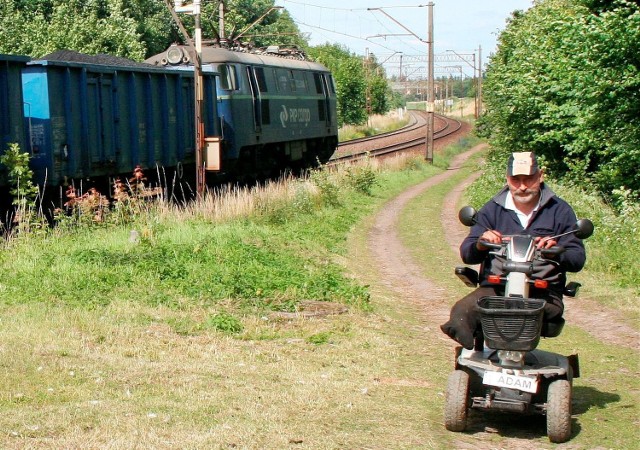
[(552, 329)]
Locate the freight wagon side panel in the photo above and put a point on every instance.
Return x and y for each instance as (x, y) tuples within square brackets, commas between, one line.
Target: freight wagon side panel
[(11, 103), (93, 121), (156, 125), (67, 124)]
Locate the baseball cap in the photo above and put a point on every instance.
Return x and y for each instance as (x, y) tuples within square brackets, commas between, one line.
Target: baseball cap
[(522, 163)]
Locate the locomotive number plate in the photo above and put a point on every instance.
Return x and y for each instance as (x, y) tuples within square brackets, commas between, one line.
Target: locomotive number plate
[(500, 379)]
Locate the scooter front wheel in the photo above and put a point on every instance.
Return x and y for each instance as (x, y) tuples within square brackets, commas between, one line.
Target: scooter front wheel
[(456, 401), (559, 411)]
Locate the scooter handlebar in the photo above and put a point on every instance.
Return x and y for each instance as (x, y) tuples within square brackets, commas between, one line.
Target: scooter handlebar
[(552, 252), (490, 245)]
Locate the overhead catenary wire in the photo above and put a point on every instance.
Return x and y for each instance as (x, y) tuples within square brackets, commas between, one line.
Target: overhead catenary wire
[(355, 16)]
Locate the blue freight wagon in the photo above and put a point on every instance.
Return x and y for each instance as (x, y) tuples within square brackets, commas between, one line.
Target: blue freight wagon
[(11, 102), (99, 116)]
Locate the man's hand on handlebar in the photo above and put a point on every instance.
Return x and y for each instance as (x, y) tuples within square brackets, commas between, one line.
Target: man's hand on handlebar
[(545, 242), (491, 236)]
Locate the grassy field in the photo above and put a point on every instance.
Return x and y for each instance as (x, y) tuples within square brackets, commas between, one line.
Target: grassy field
[(173, 328)]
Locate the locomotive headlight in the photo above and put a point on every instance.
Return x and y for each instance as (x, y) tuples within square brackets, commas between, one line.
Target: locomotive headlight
[(174, 55)]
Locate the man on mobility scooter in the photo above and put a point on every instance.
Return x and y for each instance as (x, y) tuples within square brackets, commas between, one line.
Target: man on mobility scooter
[(526, 239)]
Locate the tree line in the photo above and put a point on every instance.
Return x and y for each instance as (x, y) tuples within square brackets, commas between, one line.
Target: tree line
[(138, 29), (565, 83)]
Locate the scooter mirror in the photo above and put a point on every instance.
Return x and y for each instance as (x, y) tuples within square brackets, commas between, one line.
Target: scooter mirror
[(584, 228), (467, 216)]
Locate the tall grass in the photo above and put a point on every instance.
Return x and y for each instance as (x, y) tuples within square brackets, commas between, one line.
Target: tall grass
[(263, 248)]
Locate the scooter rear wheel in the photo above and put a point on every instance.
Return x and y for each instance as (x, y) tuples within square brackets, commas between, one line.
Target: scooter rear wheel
[(559, 411), (456, 401)]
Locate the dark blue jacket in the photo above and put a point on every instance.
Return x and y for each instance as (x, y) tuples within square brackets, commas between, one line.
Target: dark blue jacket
[(553, 217)]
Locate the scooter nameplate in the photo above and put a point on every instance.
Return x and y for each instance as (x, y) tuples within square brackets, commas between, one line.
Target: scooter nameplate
[(501, 379)]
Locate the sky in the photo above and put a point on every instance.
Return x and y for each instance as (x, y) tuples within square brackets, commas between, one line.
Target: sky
[(397, 34)]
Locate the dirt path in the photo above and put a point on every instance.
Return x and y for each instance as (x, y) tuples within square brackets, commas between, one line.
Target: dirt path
[(403, 276)]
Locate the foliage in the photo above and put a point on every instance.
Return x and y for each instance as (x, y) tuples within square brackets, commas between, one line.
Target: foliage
[(362, 178), (130, 200), (242, 16), (278, 255), (329, 189), (86, 209), (350, 81), (225, 322), (378, 89), (565, 83), (321, 338), (19, 176), (135, 29), (611, 248), (25, 193), (37, 28)]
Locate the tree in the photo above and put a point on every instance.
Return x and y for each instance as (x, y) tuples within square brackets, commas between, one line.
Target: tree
[(39, 27), (131, 28), (565, 82), (378, 88), (350, 81), (245, 18)]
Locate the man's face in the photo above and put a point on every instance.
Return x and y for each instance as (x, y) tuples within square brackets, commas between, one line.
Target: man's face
[(525, 188)]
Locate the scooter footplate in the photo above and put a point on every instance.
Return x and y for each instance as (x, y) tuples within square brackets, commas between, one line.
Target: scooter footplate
[(499, 405)]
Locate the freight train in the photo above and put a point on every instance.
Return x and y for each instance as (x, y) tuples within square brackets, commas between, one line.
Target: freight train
[(83, 117)]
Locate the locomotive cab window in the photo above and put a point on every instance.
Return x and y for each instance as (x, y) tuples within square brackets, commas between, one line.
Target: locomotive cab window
[(228, 77), (283, 80), (318, 82), (299, 80), (262, 81), (331, 83)]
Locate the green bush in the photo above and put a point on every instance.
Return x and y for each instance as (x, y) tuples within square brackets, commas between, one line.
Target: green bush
[(573, 96), (225, 322), (362, 178)]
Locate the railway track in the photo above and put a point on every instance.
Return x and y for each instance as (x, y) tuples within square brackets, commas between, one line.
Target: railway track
[(409, 138)]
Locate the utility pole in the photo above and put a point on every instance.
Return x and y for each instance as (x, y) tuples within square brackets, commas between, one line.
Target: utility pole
[(194, 10), (476, 81), (430, 87), (479, 113), (367, 62), (221, 31), (461, 90)]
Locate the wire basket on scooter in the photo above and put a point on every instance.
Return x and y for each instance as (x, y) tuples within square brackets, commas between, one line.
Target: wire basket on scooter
[(511, 323)]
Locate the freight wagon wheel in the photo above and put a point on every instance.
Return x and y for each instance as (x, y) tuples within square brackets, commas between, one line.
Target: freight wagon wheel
[(559, 411), (456, 401)]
